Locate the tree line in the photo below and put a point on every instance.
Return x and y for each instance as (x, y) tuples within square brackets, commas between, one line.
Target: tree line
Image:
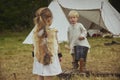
[(115, 4), (18, 15)]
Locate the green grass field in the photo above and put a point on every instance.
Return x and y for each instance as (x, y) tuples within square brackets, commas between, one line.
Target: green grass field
[(16, 60)]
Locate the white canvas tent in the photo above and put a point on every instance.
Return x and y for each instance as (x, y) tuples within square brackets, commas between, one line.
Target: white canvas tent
[(99, 12)]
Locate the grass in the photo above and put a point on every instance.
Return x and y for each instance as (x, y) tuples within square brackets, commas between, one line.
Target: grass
[(16, 59)]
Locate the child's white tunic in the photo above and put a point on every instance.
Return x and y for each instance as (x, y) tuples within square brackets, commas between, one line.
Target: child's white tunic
[(74, 32), (48, 70)]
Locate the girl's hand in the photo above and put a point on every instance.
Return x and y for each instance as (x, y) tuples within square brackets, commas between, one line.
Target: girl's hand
[(60, 56), (60, 59)]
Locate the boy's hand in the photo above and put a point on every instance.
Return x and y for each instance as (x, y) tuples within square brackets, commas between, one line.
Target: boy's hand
[(81, 38)]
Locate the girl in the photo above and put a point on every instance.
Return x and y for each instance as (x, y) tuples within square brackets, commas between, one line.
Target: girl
[(45, 41)]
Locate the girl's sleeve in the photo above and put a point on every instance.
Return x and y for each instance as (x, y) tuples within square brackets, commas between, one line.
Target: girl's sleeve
[(56, 31)]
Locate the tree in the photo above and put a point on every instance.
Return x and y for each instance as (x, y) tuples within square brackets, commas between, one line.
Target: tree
[(116, 4), (18, 15)]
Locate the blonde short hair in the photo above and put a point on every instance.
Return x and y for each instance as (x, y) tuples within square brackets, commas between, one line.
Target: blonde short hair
[(73, 13)]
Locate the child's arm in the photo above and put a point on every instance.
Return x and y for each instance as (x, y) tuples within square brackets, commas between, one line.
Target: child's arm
[(59, 52), (83, 34), (57, 42)]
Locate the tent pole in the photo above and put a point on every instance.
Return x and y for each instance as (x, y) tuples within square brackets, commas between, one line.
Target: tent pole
[(101, 13)]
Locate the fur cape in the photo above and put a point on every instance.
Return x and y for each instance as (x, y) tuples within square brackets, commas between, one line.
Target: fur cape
[(40, 43)]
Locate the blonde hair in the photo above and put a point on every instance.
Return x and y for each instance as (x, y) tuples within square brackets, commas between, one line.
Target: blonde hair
[(42, 15), (73, 13)]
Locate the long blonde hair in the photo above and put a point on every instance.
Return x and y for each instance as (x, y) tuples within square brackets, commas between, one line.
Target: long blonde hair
[(42, 15), (40, 21)]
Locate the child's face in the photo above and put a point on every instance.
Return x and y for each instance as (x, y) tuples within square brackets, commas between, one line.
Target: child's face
[(73, 19)]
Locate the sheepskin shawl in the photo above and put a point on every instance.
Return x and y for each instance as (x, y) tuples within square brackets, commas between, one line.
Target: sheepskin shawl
[(40, 43)]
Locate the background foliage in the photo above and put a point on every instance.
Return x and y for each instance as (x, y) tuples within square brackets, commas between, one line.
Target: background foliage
[(116, 4), (18, 15)]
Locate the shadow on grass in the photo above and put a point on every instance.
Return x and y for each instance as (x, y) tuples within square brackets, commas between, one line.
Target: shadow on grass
[(67, 75)]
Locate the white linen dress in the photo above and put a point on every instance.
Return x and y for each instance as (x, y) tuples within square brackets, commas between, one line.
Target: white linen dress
[(52, 69)]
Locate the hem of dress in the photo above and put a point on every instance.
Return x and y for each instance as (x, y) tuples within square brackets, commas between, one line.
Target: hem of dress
[(47, 74)]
